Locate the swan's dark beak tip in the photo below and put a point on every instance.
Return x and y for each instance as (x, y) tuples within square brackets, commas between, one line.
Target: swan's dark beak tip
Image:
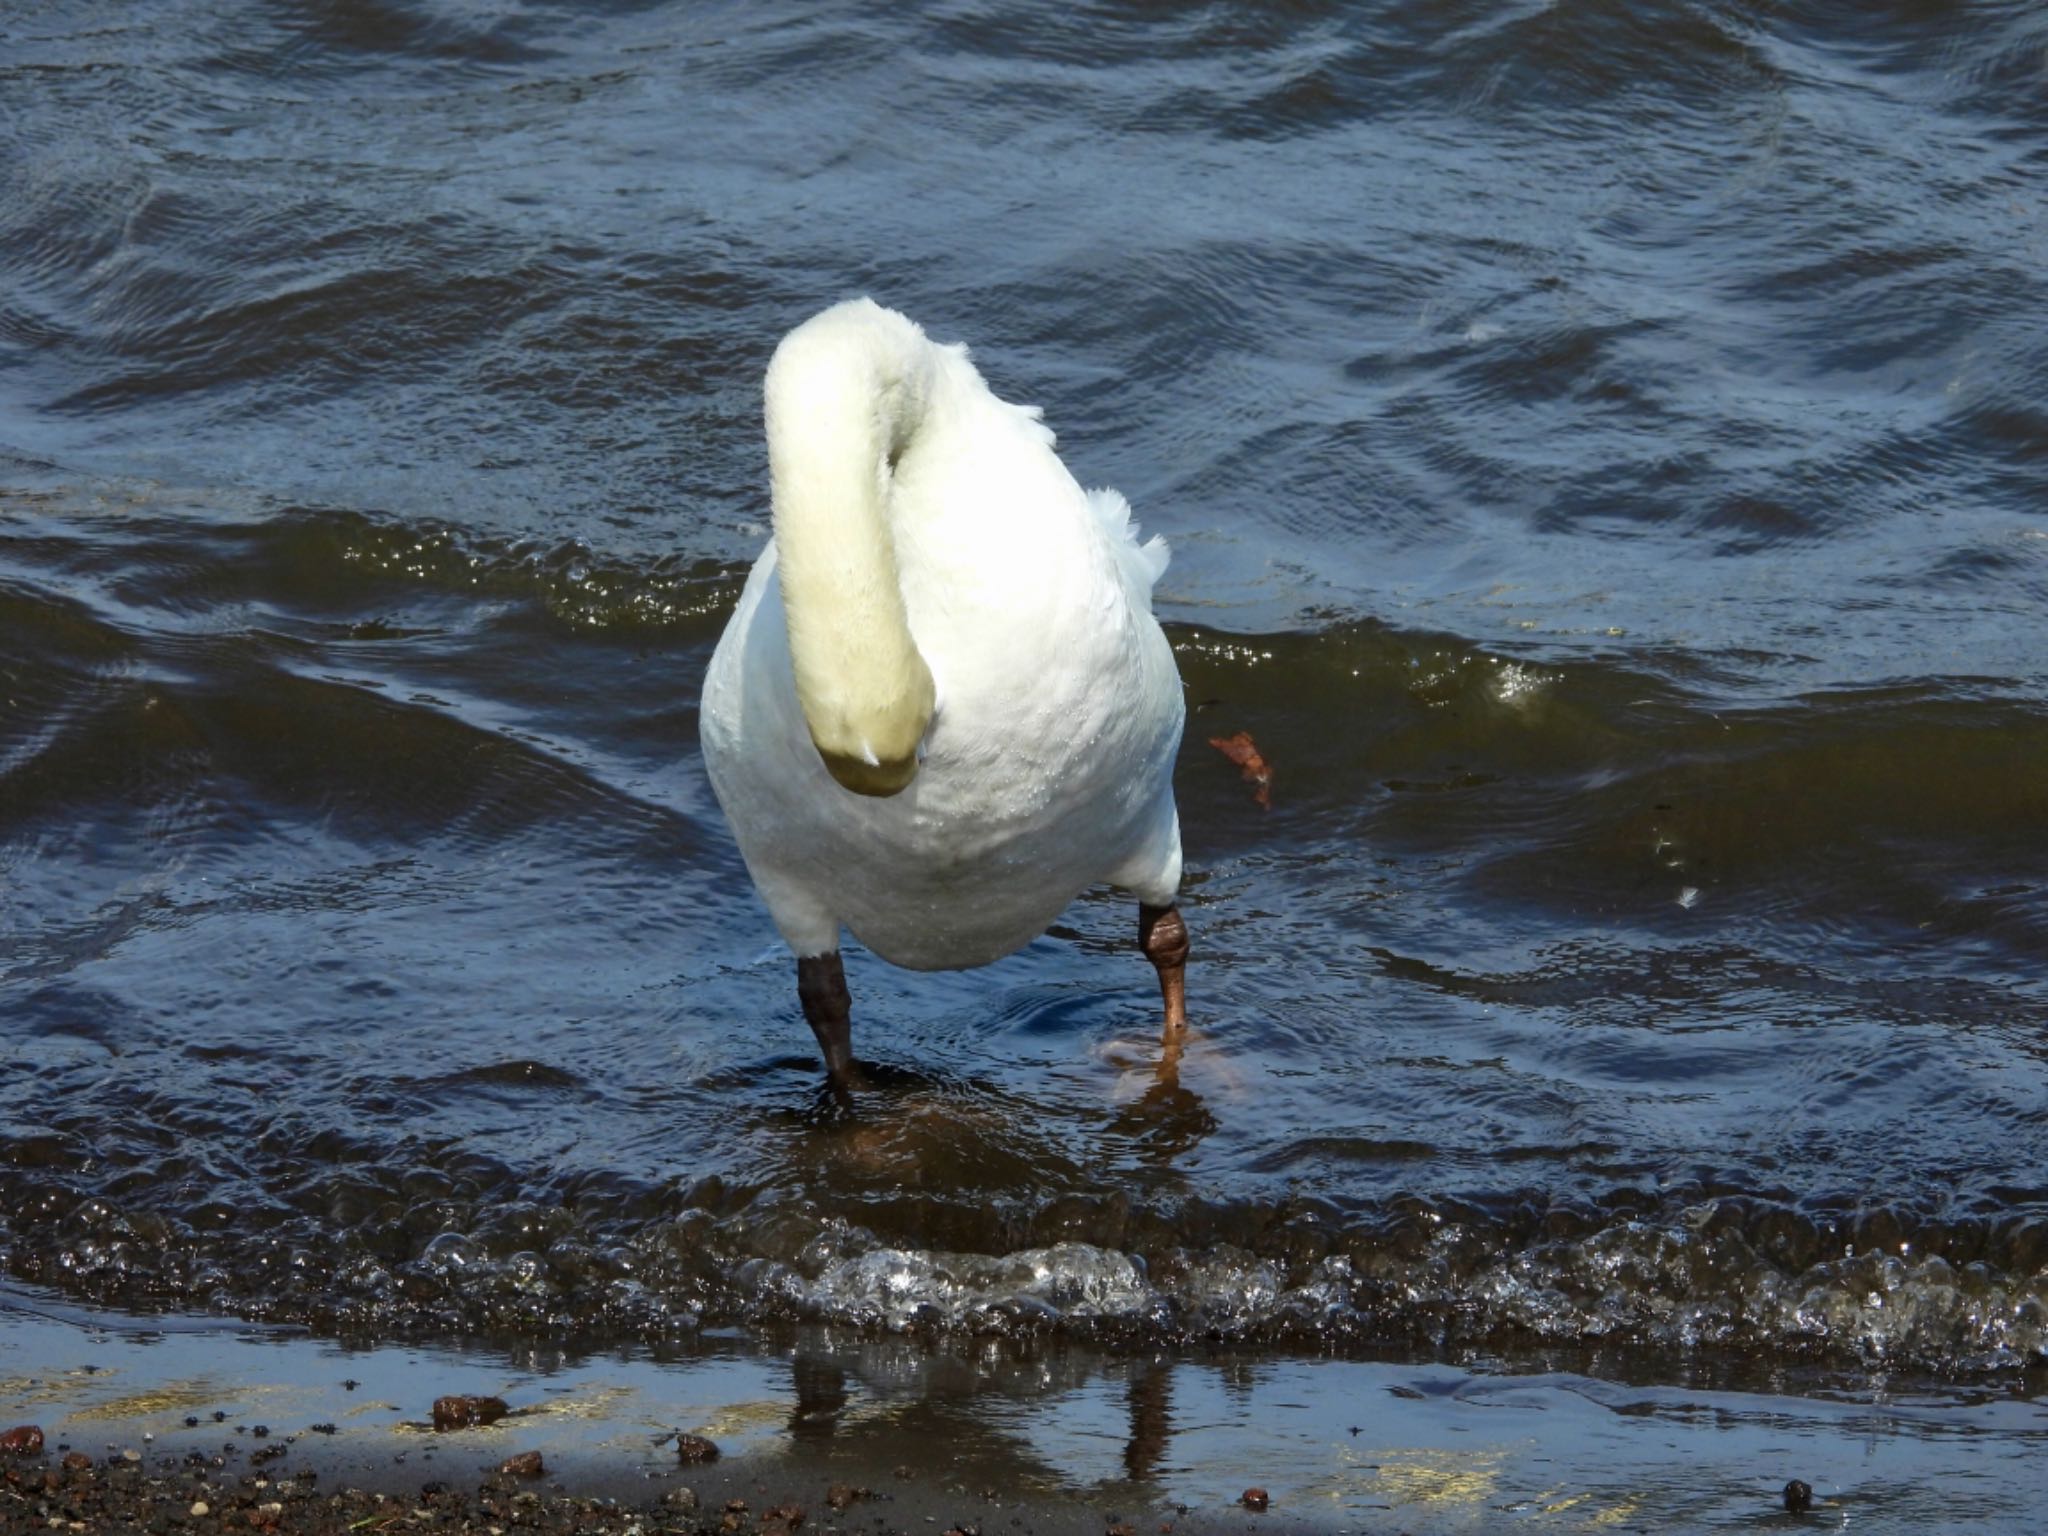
[(878, 780)]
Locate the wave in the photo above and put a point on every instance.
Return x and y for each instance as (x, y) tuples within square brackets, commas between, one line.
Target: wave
[(1689, 1271)]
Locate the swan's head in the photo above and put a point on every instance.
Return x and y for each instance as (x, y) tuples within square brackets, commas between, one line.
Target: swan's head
[(880, 778), (845, 396), (871, 739)]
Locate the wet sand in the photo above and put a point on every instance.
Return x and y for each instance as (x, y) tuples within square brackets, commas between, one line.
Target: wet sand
[(71, 1491), (144, 1418)]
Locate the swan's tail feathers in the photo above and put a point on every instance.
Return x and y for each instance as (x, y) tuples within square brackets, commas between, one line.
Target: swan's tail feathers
[(1147, 560)]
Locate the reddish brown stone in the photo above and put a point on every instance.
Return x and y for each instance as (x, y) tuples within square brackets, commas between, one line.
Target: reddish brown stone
[(1255, 1498), (525, 1464), (23, 1440), (463, 1412), (692, 1449)]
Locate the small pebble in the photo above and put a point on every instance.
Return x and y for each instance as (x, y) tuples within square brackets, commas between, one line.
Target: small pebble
[(77, 1461), (525, 1464), (1798, 1496), (200, 1507), (1255, 1498)]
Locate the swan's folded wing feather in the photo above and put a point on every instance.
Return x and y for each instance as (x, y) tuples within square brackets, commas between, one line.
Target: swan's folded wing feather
[(1147, 561)]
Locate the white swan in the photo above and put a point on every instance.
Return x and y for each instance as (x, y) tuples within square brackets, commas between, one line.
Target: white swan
[(942, 708)]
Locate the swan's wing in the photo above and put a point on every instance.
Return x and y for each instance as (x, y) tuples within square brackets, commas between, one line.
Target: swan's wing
[(1143, 563)]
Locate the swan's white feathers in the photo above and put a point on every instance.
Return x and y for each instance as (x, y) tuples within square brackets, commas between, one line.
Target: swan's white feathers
[(1047, 762), (1151, 557)]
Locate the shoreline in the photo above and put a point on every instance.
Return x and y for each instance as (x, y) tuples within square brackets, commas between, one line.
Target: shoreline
[(68, 1489), (142, 1419)]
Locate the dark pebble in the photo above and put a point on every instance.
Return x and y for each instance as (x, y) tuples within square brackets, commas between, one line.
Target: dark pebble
[(22, 1440), (525, 1464), (1798, 1496), (77, 1461), (463, 1412), (692, 1449), (1255, 1498)]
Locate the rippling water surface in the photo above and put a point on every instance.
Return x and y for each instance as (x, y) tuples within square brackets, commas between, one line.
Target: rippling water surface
[(1604, 452)]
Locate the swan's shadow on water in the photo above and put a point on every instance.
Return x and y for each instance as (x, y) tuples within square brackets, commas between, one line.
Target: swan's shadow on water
[(971, 1135)]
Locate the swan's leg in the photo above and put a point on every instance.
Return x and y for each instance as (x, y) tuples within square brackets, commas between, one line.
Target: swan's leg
[(828, 1009), (1164, 938)]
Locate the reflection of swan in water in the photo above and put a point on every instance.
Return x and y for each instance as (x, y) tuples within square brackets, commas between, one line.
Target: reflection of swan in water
[(943, 707), (1155, 1109), (941, 1399)]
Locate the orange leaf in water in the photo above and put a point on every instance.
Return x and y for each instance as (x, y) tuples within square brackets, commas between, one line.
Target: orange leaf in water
[(1244, 752)]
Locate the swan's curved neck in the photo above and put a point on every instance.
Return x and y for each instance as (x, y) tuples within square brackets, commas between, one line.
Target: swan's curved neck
[(846, 393)]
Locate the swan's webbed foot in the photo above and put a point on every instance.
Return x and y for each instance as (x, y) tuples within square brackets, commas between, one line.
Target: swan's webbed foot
[(828, 1009), (1164, 937)]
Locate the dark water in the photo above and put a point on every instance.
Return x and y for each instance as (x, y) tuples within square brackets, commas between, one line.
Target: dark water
[(1604, 450)]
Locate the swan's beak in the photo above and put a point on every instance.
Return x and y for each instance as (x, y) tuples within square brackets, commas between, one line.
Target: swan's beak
[(880, 777), (870, 730)]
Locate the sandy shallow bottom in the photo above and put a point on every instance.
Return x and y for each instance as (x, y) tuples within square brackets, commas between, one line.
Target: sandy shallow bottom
[(144, 1419)]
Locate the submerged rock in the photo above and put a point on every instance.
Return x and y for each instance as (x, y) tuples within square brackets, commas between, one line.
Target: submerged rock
[(693, 1449), (465, 1412)]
